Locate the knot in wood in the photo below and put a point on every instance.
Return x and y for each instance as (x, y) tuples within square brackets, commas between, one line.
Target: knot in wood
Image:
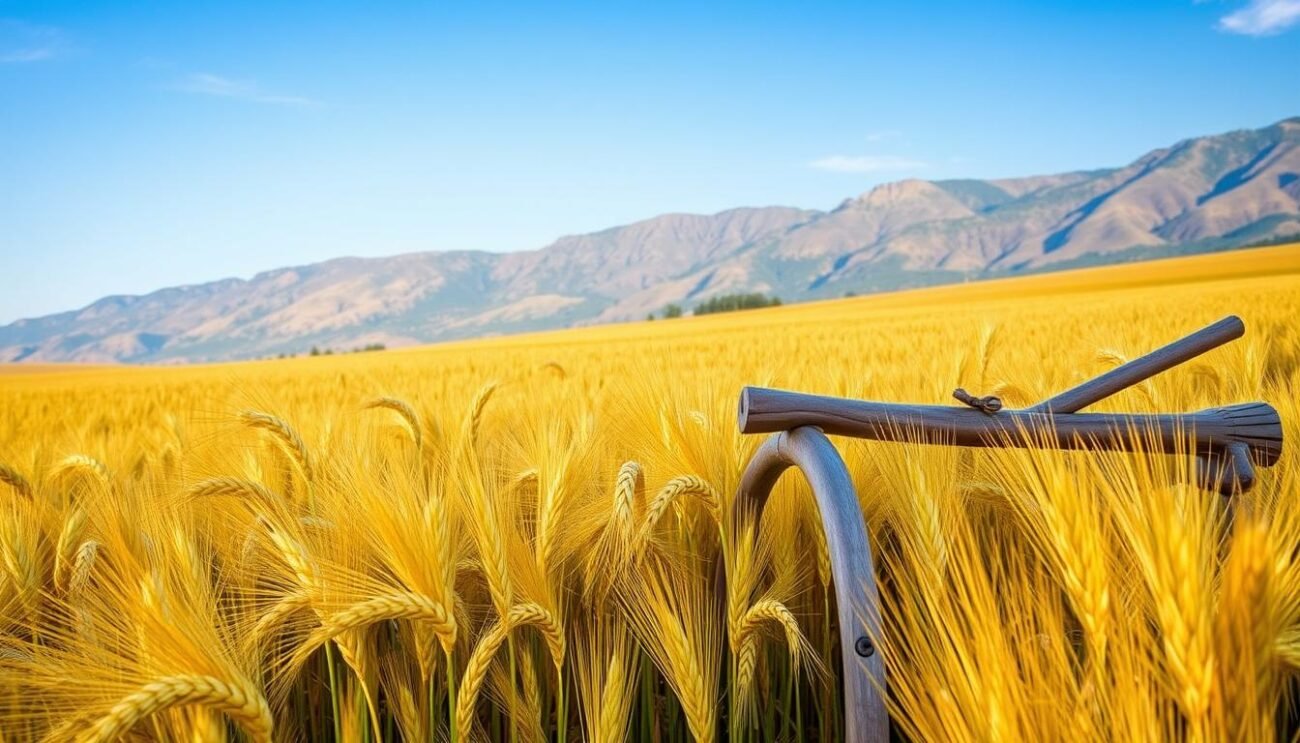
[(987, 404)]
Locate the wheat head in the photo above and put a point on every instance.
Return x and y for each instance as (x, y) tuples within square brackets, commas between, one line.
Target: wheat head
[(14, 479), (237, 699)]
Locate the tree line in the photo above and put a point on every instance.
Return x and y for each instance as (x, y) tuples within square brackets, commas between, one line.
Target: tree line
[(724, 303)]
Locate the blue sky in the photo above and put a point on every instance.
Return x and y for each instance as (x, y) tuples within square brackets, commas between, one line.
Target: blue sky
[(144, 145)]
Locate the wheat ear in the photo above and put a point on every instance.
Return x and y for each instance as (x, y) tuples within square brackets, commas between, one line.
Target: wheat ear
[(669, 493), (282, 610), (695, 696), (80, 465), (284, 436), (1247, 629), (14, 479), (614, 702), (238, 700), (400, 605), (407, 413), (488, 645), (1180, 615), (474, 420), (629, 488), (532, 695), (231, 487), (525, 478), (64, 554), (82, 567), (18, 548), (767, 610)]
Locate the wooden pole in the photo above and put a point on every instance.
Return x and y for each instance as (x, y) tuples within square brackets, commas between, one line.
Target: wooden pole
[(1229, 438), (1124, 376)]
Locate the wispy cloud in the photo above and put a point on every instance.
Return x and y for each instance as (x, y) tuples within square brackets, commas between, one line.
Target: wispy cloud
[(1262, 18), (883, 134), (866, 163), (23, 43), (223, 87)]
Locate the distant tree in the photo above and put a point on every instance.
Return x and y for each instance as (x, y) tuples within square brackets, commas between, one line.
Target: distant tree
[(672, 311), (733, 302), (314, 351), (650, 317)]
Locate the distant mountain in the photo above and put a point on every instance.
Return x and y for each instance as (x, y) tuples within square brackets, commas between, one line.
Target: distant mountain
[(1207, 193)]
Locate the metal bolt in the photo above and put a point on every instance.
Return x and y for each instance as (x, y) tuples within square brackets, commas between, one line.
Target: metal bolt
[(864, 648)]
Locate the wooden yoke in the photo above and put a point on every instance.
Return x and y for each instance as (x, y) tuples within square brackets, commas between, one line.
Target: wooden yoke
[(1229, 442)]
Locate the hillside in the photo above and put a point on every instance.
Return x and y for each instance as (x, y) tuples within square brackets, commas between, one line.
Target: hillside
[(1206, 193)]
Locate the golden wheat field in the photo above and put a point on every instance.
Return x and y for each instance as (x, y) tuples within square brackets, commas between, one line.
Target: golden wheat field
[(537, 537)]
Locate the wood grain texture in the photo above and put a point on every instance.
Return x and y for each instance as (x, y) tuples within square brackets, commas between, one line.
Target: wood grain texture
[(1210, 431)]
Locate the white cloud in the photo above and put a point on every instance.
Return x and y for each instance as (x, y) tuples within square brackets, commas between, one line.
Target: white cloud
[(1262, 18), (22, 43), (223, 87), (865, 163)]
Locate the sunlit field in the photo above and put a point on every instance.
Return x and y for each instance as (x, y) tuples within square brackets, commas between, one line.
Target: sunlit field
[(537, 537)]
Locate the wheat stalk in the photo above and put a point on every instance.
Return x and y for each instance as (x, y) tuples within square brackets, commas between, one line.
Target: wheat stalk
[(237, 699), (295, 556), (1180, 609), (674, 618), (550, 507)]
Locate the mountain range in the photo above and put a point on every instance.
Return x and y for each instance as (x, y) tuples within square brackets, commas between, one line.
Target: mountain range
[(1206, 193)]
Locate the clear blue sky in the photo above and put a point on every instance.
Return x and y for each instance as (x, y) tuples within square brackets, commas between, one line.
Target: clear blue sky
[(145, 145)]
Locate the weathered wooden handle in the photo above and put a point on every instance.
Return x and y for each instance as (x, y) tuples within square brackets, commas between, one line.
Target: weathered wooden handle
[(1212, 433), (857, 599), (1126, 375)]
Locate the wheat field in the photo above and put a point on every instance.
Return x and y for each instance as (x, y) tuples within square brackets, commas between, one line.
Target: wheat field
[(537, 537)]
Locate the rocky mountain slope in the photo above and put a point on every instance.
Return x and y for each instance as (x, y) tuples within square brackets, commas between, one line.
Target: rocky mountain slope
[(1205, 193)]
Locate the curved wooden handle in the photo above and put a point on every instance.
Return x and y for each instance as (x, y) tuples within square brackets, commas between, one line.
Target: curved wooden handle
[(866, 717)]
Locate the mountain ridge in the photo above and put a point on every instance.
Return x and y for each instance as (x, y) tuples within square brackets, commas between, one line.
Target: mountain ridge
[(1201, 193)]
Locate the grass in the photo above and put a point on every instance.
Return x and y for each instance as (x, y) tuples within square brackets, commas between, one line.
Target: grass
[(537, 537)]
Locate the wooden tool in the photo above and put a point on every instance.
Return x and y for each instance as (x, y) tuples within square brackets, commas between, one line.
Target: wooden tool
[(1229, 443)]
